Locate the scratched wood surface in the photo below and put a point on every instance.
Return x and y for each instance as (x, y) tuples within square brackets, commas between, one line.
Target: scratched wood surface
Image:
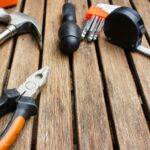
[(96, 99), (55, 113), (93, 127), (124, 100)]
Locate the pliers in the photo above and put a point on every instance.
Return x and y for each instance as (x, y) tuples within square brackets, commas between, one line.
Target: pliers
[(22, 101)]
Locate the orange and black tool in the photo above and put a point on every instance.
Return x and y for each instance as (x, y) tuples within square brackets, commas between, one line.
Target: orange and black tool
[(95, 18), (8, 3), (21, 101)]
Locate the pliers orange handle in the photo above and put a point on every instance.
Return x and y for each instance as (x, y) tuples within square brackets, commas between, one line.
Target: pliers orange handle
[(21, 101), (25, 108)]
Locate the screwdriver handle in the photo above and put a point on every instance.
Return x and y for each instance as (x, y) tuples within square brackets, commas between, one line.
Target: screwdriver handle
[(25, 109), (69, 13), (69, 32)]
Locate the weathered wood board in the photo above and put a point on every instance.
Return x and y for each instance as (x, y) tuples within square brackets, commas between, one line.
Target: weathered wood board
[(123, 97), (93, 127), (55, 113), (96, 99)]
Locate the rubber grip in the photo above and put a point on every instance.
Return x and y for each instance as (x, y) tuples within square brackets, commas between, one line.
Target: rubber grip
[(69, 13), (25, 109), (11, 135)]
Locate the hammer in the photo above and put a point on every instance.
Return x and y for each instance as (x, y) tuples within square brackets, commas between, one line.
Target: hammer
[(19, 23)]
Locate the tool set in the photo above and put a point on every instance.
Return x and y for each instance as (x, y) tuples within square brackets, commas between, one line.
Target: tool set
[(122, 26), (95, 18), (21, 101)]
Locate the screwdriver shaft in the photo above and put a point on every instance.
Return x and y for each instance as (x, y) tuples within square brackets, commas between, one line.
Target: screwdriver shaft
[(99, 29), (92, 28), (92, 33), (87, 27), (93, 24)]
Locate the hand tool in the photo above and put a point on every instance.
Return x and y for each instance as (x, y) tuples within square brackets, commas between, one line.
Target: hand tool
[(125, 28), (8, 3), (19, 23), (21, 101), (98, 30), (93, 27), (95, 18), (69, 32)]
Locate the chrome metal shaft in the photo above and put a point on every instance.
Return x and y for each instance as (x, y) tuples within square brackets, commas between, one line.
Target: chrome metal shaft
[(7, 33), (144, 50)]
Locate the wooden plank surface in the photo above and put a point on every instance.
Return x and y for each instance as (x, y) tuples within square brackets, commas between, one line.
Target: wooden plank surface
[(93, 127), (141, 62), (55, 114), (5, 55), (25, 62), (143, 7), (142, 65), (55, 127), (132, 130), (6, 50)]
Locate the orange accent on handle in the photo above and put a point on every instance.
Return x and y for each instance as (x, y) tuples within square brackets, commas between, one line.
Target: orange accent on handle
[(12, 133), (7, 3), (96, 12)]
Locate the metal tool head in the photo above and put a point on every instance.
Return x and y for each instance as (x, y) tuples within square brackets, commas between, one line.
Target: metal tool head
[(22, 23), (26, 24), (33, 84), (4, 16)]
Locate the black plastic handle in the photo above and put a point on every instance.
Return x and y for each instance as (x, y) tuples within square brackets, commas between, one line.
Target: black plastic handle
[(69, 13), (69, 32), (25, 109), (8, 101)]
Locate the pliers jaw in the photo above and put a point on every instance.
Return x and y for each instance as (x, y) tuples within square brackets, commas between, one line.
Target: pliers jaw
[(22, 101), (33, 84)]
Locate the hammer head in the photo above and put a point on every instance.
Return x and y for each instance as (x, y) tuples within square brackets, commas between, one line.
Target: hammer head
[(26, 24), (4, 16)]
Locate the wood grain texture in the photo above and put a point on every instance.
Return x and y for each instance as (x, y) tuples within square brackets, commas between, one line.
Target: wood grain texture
[(25, 62), (142, 65), (55, 113), (131, 127), (141, 62), (143, 7), (93, 127), (6, 50), (5, 54)]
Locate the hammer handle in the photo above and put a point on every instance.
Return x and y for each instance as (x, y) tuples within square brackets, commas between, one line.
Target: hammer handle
[(7, 33)]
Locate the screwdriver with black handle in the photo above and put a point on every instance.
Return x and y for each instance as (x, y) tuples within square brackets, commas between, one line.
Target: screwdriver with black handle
[(69, 32)]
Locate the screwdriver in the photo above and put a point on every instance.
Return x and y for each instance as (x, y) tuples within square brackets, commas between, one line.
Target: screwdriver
[(69, 32)]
